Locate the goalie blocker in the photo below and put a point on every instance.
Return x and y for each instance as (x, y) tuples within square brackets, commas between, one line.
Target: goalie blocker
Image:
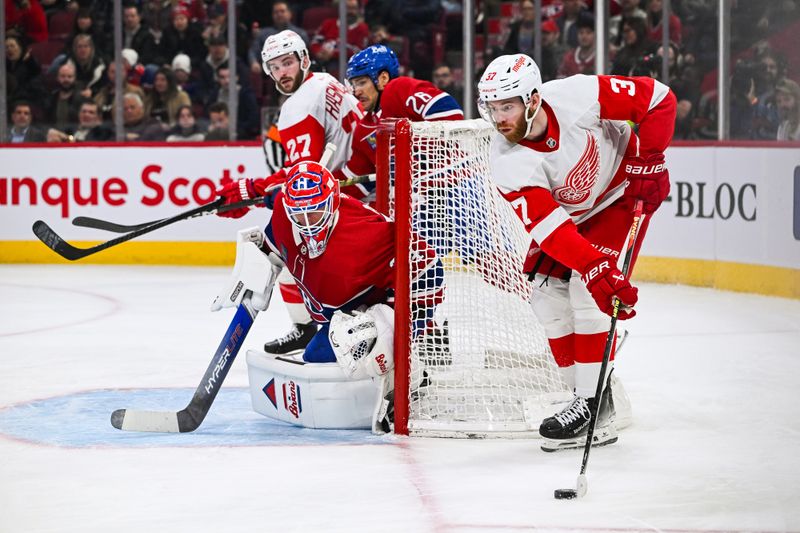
[(350, 395)]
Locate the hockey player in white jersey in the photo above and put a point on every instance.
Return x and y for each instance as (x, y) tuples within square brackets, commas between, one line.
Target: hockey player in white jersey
[(319, 111), (568, 161)]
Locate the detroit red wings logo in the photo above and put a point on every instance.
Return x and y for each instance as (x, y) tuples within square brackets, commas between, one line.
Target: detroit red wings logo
[(582, 177)]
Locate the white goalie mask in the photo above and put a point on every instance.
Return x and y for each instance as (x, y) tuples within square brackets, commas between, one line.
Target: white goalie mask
[(363, 341), (510, 76)]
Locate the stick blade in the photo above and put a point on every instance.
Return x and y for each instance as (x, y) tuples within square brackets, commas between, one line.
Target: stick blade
[(51, 239), (150, 421)]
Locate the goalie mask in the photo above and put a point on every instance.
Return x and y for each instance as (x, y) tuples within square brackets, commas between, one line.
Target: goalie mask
[(506, 77), (311, 200)]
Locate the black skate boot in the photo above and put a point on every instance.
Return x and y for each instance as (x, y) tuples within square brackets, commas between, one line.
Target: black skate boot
[(293, 342), (567, 429), (434, 346)]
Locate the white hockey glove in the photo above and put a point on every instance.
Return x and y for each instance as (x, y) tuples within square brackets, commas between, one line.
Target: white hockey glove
[(364, 341)]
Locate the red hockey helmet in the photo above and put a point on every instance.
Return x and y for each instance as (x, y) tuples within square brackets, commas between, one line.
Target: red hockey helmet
[(311, 200)]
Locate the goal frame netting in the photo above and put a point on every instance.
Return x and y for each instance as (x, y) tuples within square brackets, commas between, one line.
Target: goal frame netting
[(523, 389)]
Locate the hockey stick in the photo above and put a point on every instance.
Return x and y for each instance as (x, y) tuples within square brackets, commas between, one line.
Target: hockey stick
[(107, 225), (582, 483), (53, 241), (190, 417)]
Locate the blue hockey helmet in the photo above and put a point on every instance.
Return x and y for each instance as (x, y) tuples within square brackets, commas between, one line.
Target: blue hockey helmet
[(371, 61)]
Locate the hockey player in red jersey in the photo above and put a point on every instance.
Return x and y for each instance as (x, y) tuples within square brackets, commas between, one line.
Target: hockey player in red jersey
[(373, 75), (340, 251), (319, 110), (568, 161)]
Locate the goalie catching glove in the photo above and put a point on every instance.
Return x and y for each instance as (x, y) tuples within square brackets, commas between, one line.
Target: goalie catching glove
[(648, 181), (363, 341), (605, 282)]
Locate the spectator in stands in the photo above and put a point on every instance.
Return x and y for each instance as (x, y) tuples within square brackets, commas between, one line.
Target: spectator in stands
[(22, 130), (580, 60), (62, 106), (218, 55), (281, 20), (379, 34), (180, 37), (247, 115), (218, 122), (85, 23), (552, 51), (743, 101), (635, 45), (27, 18), (105, 96), (89, 66), (186, 129), (629, 10), (567, 22), (24, 75), (654, 22), (787, 98), (138, 126), (135, 70), (443, 79), (416, 21), (165, 98), (90, 127), (217, 28), (521, 36), (182, 69), (135, 35), (157, 17), (325, 42)]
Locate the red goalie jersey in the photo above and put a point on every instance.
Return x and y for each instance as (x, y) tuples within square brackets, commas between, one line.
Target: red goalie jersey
[(402, 97), (574, 172), (357, 267)]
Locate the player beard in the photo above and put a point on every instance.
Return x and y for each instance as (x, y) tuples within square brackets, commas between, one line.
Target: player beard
[(518, 131), (296, 82)]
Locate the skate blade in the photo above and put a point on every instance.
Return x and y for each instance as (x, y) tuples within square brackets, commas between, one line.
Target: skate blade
[(601, 437)]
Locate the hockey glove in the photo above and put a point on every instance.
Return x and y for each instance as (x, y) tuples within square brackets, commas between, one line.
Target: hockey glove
[(236, 191), (648, 181), (245, 189), (605, 282)]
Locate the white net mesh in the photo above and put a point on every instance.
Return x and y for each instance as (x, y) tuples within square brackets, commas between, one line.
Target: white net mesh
[(483, 366)]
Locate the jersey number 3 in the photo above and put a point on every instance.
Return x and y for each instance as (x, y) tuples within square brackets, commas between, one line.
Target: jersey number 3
[(618, 85)]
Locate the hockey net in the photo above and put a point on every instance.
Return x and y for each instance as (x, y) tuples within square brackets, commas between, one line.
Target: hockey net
[(482, 366)]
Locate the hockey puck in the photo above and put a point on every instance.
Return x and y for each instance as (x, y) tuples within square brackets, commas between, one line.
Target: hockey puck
[(565, 494)]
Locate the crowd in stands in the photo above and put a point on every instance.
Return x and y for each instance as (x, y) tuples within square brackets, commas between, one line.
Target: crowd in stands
[(61, 75)]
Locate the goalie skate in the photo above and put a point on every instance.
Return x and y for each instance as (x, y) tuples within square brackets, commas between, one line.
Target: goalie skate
[(568, 429)]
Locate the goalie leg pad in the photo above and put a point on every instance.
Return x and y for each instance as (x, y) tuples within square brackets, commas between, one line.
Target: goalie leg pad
[(364, 341), (311, 395)]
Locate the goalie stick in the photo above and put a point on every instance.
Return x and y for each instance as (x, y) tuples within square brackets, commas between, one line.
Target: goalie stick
[(582, 485), (190, 417), (107, 225)]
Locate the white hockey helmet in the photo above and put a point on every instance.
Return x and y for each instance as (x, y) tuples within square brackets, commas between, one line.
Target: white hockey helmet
[(506, 77), (282, 43)]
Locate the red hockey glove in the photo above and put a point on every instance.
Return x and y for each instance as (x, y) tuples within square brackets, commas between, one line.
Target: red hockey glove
[(236, 191), (648, 180), (604, 282), (245, 189)]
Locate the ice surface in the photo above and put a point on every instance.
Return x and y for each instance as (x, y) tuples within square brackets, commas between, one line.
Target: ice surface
[(713, 447)]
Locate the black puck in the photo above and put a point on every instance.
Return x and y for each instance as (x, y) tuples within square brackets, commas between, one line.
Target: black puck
[(565, 494)]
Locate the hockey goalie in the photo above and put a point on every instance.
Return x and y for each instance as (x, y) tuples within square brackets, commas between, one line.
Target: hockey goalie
[(340, 252)]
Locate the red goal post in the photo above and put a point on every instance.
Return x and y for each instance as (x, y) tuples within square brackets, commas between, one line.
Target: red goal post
[(482, 366)]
